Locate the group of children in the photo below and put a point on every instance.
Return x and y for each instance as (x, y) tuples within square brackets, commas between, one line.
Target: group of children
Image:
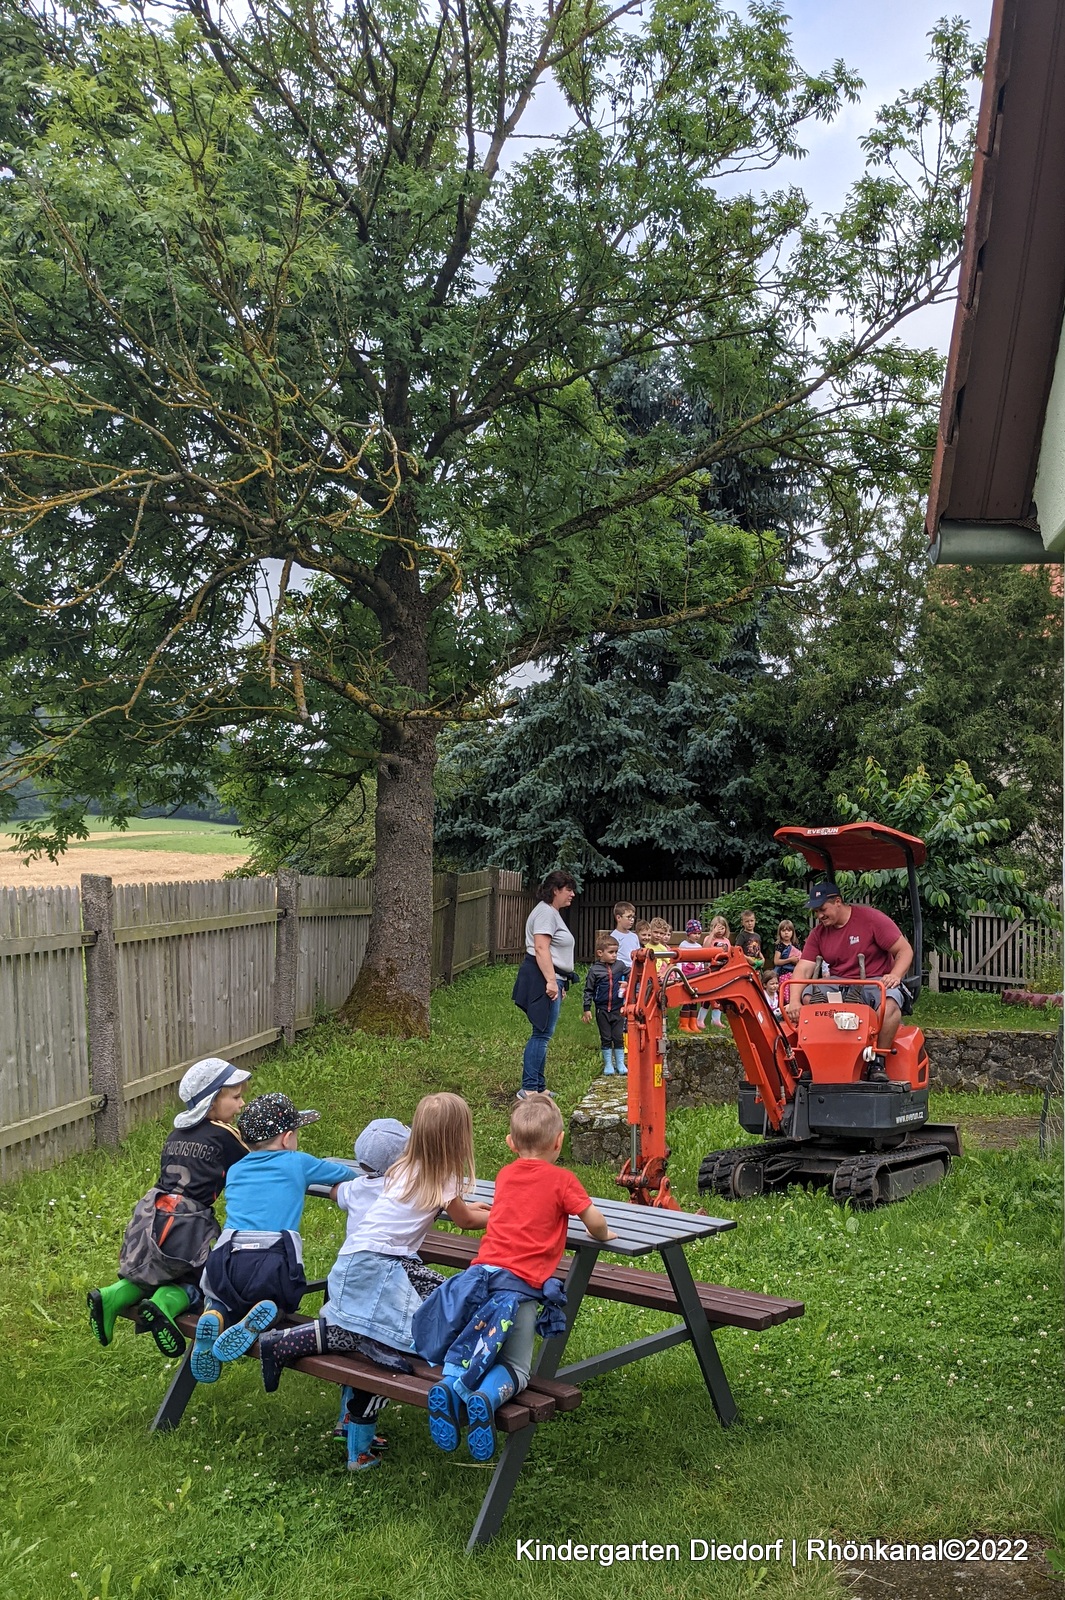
[(604, 987), (382, 1302)]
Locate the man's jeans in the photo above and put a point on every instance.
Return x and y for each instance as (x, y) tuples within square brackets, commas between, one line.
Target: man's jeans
[(865, 995), (535, 1057)]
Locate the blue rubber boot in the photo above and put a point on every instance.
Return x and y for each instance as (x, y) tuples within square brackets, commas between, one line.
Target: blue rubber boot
[(238, 1340), (360, 1455), (608, 1062), (495, 1387), (444, 1415), (204, 1364), (619, 1061), (340, 1431)]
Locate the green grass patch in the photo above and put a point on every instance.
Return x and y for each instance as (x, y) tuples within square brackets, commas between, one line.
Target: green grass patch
[(971, 1008), (919, 1396)]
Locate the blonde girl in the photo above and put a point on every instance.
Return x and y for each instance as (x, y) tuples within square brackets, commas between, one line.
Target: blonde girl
[(719, 937), (378, 1282), (785, 952)]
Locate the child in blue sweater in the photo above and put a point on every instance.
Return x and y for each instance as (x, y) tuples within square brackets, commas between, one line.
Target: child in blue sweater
[(604, 990), (255, 1271)]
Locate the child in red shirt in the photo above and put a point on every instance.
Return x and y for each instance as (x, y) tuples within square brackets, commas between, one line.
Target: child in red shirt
[(524, 1240)]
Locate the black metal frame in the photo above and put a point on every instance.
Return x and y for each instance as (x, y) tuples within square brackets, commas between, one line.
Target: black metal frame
[(912, 979)]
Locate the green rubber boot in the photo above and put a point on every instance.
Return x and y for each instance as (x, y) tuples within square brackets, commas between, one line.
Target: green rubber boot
[(105, 1304), (159, 1314)]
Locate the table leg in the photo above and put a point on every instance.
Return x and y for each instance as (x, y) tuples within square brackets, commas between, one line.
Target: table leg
[(512, 1459), (176, 1398), (680, 1277), (577, 1280)]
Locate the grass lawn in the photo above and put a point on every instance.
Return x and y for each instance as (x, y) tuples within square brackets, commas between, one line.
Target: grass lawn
[(159, 833), (920, 1396), (969, 1008)]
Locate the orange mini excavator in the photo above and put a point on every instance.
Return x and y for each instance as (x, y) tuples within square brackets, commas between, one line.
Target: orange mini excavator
[(829, 1108)]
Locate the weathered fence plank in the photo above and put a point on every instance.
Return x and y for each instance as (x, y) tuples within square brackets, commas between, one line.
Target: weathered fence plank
[(46, 1100), (334, 925)]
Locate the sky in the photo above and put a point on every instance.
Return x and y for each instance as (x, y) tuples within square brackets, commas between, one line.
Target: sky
[(887, 45)]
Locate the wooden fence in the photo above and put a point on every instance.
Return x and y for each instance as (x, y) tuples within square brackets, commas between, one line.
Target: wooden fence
[(993, 954), (676, 899), (107, 995)]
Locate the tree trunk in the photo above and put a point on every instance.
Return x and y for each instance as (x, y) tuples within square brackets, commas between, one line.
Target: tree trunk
[(391, 992)]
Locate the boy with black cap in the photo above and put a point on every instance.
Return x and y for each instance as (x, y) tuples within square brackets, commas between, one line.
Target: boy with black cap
[(255, 1271), (173, 1226)]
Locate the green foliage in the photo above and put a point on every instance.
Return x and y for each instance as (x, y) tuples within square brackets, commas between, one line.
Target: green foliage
[(308, 428), (1045, 975), (955, 818), (628, 760), (305, 827), (880, 654), (771, 901)]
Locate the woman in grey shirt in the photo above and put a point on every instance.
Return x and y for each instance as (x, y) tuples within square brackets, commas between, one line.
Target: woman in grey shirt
[(544, 974)]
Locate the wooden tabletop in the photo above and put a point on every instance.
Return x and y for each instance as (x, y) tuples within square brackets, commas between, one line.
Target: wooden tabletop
[(639, 1229)]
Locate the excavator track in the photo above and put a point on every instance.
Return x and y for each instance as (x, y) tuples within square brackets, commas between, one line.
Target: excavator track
[(876, 1178), (883, 1176), (746, 1170)]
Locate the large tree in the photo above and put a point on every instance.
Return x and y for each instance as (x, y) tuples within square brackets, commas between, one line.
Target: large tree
[(306, 331)]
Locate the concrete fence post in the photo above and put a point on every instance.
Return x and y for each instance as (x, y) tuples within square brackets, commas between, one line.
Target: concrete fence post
[(101, 994), (286, 964)]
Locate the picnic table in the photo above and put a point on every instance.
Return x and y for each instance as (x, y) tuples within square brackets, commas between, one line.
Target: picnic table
[(553, 1388)]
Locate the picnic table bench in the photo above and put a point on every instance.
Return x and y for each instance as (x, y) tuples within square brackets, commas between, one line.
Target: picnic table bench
[(553, 1389)]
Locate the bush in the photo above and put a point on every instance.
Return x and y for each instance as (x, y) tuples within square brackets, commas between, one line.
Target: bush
[(770, 901)]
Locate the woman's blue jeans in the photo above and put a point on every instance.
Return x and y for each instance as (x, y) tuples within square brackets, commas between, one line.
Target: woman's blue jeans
[(535, 1057)]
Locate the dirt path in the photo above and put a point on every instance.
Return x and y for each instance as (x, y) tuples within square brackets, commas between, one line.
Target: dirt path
[(124, 866)]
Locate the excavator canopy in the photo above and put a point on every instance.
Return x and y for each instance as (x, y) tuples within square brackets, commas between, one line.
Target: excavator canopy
[(855, 847)]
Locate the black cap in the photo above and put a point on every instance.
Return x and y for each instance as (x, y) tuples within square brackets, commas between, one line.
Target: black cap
[(270, 1115)]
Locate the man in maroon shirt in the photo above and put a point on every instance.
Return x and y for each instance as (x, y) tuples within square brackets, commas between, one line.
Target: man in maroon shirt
[(855, 942)]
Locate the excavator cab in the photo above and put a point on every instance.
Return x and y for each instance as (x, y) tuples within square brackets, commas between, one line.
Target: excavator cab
[(838, 1030)]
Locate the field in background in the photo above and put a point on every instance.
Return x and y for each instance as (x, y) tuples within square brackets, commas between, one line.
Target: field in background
[(150, 850)]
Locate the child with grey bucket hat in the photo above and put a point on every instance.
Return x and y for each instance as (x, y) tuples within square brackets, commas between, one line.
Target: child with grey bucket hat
[(174, 1225), (255, 1270), (380, 1143)]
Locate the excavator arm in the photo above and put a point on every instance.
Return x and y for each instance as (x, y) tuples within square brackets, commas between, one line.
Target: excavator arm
[(763, 1040)]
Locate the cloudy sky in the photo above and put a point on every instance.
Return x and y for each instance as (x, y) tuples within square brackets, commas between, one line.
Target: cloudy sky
[(887, 45)]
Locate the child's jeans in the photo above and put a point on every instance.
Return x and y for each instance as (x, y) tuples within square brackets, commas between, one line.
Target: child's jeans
[(516, 1352)]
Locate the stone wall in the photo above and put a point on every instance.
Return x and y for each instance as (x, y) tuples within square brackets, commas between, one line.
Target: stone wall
[(706, 1071)]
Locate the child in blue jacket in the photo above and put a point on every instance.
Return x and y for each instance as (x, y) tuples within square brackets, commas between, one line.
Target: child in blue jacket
[(255, 1271), (604, 989)]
